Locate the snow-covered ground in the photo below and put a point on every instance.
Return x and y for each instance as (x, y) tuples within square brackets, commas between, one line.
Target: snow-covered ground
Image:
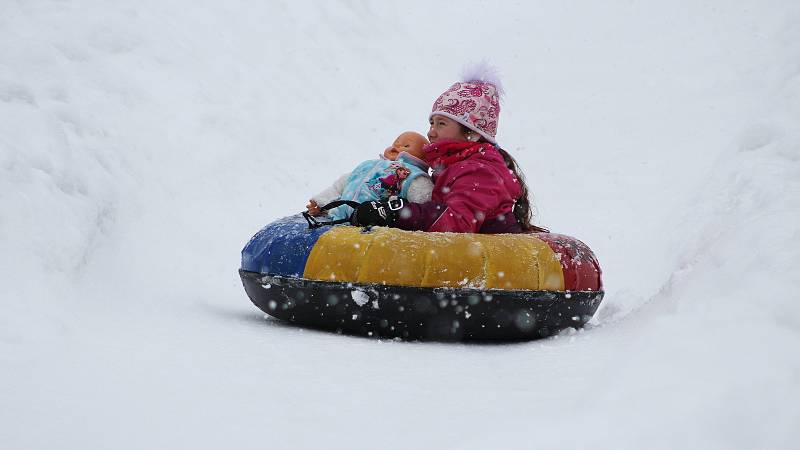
[(143, 143)]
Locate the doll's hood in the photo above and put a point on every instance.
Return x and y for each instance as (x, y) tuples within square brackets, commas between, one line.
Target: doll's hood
[(408, 158)]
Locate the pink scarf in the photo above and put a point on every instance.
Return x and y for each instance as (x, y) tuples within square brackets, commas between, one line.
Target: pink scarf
[(444, 153)]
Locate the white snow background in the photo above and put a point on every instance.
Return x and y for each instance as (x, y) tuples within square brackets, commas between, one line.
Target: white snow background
[(143, 143)]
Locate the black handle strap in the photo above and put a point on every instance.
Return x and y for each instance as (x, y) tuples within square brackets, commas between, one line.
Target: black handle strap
[(313, 222)]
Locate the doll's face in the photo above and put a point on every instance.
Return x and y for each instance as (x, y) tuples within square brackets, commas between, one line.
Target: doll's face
[(407, 142)]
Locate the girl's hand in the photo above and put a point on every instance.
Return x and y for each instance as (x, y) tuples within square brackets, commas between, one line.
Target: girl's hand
[(313, 208), (382, 213)]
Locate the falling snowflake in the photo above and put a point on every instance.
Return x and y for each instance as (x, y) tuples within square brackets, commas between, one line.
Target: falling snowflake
[(361, 298)]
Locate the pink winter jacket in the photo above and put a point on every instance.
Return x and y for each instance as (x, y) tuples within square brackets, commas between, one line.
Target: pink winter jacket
[(473, 192)]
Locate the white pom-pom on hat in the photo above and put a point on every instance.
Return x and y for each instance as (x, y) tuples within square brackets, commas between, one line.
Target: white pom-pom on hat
[(482, 71)]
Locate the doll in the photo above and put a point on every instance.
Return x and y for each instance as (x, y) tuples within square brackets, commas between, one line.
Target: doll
[(399, 171)]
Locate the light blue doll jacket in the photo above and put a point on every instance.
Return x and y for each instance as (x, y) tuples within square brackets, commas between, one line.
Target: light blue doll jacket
[(378, 179)]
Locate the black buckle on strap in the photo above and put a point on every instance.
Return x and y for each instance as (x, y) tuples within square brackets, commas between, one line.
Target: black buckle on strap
[(395, 203)]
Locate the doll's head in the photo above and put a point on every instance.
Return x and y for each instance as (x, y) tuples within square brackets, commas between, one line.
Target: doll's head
[(410, 142)]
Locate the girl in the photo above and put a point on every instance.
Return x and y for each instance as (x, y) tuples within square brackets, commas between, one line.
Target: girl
[(477, 185)]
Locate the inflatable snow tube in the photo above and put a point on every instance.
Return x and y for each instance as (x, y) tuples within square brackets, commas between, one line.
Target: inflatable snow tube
[(392, 283)]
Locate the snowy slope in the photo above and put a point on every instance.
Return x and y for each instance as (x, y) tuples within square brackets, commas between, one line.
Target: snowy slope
[(142, 144)]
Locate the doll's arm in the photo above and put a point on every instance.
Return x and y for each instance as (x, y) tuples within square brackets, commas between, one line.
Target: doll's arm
[(333, 192), (420, 189)]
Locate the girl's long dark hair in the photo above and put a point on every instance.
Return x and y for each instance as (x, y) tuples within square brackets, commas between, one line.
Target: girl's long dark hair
[(522, 207)]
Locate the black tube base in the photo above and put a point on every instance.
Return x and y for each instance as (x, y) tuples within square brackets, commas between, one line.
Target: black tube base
[(416, 313)]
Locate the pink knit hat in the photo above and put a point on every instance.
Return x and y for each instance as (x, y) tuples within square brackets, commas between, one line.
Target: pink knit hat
[(474, 102)]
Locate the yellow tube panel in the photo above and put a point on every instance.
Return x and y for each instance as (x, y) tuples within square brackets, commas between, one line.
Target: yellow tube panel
[(457, 260)]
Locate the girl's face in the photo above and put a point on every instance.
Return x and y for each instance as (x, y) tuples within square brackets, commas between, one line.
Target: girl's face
[(443, 128)]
